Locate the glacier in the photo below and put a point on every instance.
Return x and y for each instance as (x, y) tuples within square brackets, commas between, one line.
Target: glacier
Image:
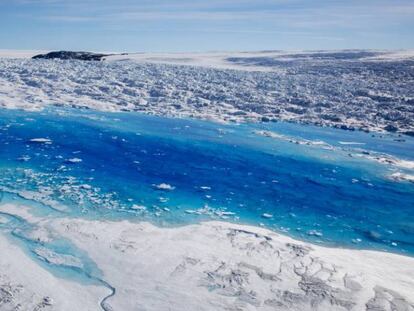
[(220, 181)]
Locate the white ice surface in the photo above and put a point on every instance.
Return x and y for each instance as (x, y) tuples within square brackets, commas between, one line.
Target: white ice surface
[(210, 266), (294, 86), (24, 285)]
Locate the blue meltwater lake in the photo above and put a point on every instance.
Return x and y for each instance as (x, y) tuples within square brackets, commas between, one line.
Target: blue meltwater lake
[(326, 186)]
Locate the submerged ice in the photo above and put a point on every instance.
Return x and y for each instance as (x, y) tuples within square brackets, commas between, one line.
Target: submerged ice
[(332, 187)]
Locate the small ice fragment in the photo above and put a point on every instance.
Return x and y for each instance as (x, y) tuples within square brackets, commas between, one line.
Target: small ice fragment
[(350, 143), (266, 215), (394, 244), (138, 207), (402, 177), (224, 213), (24, 158), (314, 233), (164, 186), (74, 160), (355, 241), (205, 188), (41, 140), (166, 209), (354, 180), (189, 211), (86, 186)]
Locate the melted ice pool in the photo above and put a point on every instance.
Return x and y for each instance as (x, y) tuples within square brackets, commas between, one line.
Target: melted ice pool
[(324, 185)]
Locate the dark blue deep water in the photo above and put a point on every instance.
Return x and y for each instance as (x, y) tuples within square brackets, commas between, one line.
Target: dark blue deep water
[(111, 165)]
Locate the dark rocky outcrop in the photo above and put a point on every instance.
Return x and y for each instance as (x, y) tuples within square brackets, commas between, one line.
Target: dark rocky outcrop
[(88, 56)]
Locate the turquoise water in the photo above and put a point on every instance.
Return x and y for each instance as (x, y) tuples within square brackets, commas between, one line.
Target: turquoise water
[(316, 184)]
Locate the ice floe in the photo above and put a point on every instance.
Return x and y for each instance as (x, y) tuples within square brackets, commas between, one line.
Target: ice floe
[(41, 140), (164, 186)]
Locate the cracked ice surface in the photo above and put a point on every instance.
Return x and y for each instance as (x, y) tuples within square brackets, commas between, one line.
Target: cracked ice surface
[(208, 266), (333, 89)]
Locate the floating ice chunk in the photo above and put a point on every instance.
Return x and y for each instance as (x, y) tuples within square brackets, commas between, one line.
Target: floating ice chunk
[(24, 158), (404, 163), (350, 143), (190, 211), (61, 168), (138, 207), (224, 213), (269, 134), (164, 186), (402, 177), (74, 160), (356, 241), (41, 140), (314, 233), (266, 215), (163, 200), (205, 188)]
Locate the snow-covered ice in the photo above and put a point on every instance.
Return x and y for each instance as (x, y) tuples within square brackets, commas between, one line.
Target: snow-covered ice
[(56, 261), (347, 89), (207, 266)]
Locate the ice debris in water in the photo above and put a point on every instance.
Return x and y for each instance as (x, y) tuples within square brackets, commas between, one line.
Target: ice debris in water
[(164, 186), (41, 140), (212, 212), (314, 233), (24, 158), (138, 207), (266, 215), (74, 160)]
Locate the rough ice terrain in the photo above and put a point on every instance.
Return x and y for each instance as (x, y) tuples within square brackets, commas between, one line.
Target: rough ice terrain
[(86, 197), (209, 266), (365, 90)]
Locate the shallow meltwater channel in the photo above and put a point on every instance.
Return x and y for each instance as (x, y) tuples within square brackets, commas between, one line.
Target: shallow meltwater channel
[(326, 186)]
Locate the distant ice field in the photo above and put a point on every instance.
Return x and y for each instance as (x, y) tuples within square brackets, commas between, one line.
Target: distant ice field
[(350, 89), (327, 186)]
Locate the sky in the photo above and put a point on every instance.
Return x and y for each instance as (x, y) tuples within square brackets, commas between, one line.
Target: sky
[(209, 25)]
